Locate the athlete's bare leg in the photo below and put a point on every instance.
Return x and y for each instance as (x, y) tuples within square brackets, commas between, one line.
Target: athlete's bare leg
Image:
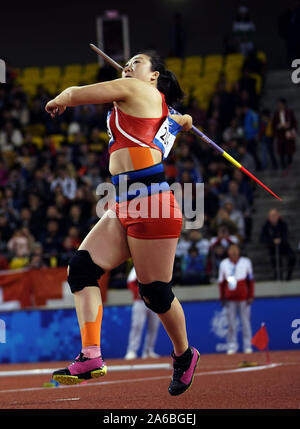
[(153, 261)]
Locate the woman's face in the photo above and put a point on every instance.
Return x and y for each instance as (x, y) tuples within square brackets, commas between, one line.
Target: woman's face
[(139, 67)]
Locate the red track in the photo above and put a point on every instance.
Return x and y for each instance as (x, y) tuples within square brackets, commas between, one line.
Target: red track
[(270, 388)]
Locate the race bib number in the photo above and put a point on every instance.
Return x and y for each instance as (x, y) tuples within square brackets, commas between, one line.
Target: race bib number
[(166, 136)]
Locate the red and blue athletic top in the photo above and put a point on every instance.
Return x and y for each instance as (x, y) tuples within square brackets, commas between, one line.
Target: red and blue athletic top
[(129, 131)]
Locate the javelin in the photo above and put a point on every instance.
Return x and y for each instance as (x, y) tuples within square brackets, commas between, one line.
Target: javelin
[(202, 136)]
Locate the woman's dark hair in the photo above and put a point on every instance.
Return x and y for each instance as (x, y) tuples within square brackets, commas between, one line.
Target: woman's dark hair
[(167, 82)]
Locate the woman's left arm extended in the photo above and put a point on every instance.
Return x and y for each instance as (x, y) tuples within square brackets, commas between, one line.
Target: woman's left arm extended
[(98, 93)]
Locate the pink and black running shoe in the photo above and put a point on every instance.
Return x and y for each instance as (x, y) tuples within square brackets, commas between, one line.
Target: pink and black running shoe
[(82, 368), (184, 370)]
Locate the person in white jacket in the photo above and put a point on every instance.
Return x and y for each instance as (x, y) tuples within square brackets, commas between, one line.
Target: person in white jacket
[(236, 285)]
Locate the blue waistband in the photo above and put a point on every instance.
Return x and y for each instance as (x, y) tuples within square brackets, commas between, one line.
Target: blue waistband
[(152, 181)]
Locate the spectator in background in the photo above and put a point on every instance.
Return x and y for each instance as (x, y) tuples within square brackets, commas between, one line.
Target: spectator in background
[(266, 140), (222, 218), (244, 185), (241, 203), (193, 268), (51, 239), (6, 230), (236, 293), (245, 158), (285, 130), (20, 244), (20, 112), (251, 132), (218, 249), (274, 235), (11, 138), (236, 216), (139, 316), (67, 184), (233, 131), (244, 29), (37, 259), (68, 250)]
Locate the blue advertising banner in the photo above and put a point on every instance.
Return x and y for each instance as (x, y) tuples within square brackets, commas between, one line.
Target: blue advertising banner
[(51, 335)]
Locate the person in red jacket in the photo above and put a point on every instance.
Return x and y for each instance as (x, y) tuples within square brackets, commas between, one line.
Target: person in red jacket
[(140, 315), (236, 285)]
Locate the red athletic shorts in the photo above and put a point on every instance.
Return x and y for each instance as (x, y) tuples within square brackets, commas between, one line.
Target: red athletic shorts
[(152, 217)]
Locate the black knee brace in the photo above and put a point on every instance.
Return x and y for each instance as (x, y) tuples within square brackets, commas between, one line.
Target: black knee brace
[(157, 296), (83, 271)]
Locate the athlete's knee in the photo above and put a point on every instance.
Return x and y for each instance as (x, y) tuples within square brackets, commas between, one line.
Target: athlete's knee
[(82, 271), (158, 296)]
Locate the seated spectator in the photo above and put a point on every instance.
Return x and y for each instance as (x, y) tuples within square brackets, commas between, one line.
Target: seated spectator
[(245, 186), (51, 239), (20, 112), (20, 248), (246, 158), (193, 268), (234, 131), (218, 249), (197, 240), (10, 137), (67, 184), (37, 258), (67, 252), (241, 203), (274, 235), (18, 245), (6, 231), (236, 216), (222, 218), (74, 235)]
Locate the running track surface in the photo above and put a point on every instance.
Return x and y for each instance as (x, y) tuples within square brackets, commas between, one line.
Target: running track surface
[(218, 384)]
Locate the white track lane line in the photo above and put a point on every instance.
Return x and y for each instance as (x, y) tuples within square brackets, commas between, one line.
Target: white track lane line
[(137, 380), (113, 368), (67, 399)]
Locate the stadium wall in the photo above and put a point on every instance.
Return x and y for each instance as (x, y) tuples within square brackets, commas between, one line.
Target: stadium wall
[(51, 335)]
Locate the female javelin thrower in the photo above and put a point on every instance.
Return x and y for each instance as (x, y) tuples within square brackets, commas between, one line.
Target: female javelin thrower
[(137, 126)]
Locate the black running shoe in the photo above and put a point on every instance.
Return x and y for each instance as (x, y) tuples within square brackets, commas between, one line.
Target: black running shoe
[(184, 370)]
